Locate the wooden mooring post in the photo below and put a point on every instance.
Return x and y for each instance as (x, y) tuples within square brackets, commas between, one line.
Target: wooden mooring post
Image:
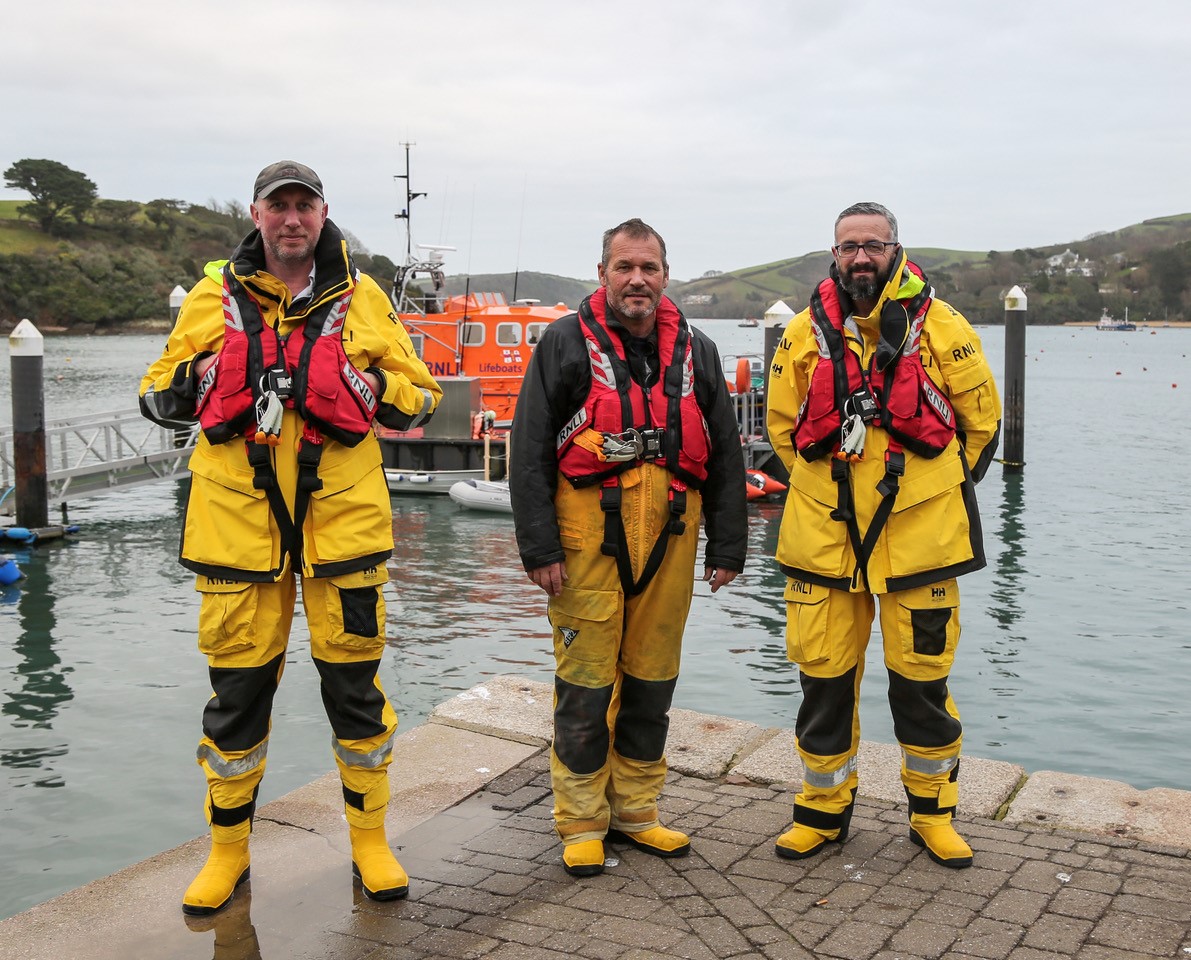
[(1014, 393), (26, 348)]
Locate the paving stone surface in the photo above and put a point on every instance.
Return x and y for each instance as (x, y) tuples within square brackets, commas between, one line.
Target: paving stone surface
[(488, 882)]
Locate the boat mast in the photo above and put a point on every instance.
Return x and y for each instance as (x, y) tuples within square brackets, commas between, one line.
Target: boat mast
[(410, 197)]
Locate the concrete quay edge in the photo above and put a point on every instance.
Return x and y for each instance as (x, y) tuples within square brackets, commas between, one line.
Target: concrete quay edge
[(301, 857), (712, 747)]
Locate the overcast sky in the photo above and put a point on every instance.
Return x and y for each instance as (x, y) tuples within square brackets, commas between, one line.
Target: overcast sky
[(737, 129)]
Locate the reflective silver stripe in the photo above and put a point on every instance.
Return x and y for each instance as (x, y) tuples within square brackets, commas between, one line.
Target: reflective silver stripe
[(233, 768), (427, 405), (930, 768), (366, 760), (833, 778)]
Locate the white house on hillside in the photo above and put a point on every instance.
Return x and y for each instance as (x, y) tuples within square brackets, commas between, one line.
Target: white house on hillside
[(1069, 262)]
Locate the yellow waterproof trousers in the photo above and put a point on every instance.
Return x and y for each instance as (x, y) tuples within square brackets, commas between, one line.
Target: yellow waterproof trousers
[(244, 631), (617, 657), (827, 632)]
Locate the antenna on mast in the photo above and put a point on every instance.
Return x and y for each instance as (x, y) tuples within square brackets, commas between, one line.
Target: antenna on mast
[(410, 197)]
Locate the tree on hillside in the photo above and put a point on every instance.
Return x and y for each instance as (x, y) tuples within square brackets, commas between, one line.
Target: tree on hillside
[(119, 216), (1168, 271), (241, 218), (56, 190), (163, 214)]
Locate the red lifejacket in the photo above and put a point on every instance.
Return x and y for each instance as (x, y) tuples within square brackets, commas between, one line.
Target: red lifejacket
[(895, 390), (667, 414), (310, 373)]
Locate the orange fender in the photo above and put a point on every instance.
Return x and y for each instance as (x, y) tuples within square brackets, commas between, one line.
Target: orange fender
[(760, 484), (744, 375)]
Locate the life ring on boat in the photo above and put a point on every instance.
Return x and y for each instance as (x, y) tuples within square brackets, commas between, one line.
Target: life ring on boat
[(744, 375)]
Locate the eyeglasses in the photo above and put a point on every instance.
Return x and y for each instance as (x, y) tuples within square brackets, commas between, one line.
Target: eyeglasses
[(874, 248)]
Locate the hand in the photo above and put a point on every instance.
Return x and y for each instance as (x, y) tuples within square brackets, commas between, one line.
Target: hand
[(550, 577), (201, 368), (718, 577)]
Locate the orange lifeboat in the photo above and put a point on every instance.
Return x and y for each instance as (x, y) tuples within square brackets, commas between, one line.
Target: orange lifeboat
[(478, 335), (759, 484)]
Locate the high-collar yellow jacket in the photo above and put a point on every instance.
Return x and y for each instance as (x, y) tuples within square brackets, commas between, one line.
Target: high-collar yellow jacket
[(932, 532), (231, 528)]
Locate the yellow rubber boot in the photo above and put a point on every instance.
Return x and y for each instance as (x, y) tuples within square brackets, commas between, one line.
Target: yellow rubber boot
[(583, 859), (379, 873), (800, 842), (226, 868), (935, 834), (659, 841)]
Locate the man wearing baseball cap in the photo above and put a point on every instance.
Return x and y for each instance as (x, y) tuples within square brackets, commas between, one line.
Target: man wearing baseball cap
[(286, 355)]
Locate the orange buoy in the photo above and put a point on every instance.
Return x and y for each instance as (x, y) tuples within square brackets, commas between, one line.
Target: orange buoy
[(744, 375)]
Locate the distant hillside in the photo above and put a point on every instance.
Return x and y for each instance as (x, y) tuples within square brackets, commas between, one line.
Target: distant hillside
[(545, 287), (1145, 267), (119, 266)]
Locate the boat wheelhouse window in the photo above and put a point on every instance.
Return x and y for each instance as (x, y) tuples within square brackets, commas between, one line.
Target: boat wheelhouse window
[(508, 334), (418, 341), (533, 332), (473, 334)]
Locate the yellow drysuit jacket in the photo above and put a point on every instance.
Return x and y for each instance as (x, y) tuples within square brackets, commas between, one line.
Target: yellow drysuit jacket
[(933, 532), (230, 530)]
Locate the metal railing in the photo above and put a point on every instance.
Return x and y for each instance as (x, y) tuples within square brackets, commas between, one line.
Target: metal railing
[(97, 452)]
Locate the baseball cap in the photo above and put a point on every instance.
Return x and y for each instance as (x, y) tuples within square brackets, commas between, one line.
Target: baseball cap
[(283, 172)]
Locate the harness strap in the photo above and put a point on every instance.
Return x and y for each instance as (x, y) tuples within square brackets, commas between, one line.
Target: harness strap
[(844, 510), (895, 467), (310, 451), (862, 547), (616, 543), (264, 478)]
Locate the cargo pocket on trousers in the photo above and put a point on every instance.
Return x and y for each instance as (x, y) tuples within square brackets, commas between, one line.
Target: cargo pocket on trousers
[(585, 624), (928, 624), (356, 609), (806, 621), (226, 616)]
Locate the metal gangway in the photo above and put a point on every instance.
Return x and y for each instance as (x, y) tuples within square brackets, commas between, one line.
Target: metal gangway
[(98, 452)]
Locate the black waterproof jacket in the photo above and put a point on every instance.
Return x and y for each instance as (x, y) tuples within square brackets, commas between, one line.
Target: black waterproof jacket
[(555, 388)]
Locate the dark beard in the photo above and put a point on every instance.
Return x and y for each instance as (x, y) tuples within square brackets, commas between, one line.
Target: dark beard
[(865, 287)]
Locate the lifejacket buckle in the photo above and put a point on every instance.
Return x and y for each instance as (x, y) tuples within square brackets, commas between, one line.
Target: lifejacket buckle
[(278, 380), (862, 404), (610, 495), (651, 443), (633, 444), (677, 500), (895, 467), (622, 447)]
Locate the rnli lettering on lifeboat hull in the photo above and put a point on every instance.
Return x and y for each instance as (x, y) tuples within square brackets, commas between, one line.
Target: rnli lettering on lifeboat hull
[(441, 368)]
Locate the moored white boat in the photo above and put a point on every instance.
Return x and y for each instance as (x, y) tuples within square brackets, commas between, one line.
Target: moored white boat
[(427, 481), (488, 495)]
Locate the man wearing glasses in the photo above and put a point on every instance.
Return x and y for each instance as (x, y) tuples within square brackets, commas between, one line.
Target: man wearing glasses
[(883, 408)]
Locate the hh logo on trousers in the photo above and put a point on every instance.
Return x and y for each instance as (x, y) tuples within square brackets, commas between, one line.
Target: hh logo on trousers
[(938, 593)]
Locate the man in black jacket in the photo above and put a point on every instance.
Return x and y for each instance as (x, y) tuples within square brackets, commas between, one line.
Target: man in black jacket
[(624, 435)]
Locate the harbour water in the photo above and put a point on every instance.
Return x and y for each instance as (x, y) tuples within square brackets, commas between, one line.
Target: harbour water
[(1074, 654)]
